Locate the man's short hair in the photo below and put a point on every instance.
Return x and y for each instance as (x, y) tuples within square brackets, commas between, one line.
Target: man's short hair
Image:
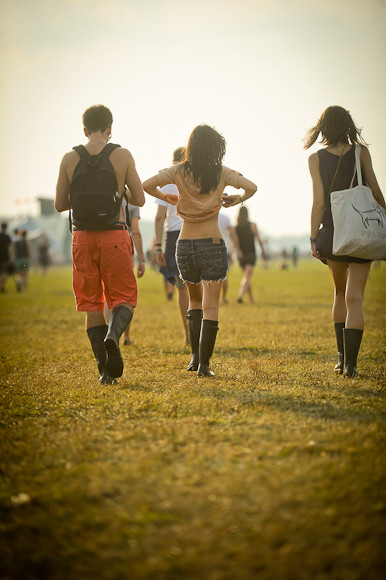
[(178, 154), (4, 225), (97, 118)]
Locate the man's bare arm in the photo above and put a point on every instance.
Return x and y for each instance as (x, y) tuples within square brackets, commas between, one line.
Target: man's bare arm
[(137, 239), (137, 196)]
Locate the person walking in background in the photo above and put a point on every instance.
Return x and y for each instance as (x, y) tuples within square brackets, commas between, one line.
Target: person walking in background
[(332, 169), (246, 233), (43, 254), (6, 253), (91, 182), (228, 234), (201, 252), (132, 219), (295, 257), (22, 263), (167, 213), (284, 255)]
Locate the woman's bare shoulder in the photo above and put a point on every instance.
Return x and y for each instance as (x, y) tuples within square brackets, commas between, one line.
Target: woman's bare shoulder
[(313, 161)]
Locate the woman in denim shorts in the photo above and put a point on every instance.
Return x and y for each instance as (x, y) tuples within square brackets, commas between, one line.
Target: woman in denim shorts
[(201, 252)]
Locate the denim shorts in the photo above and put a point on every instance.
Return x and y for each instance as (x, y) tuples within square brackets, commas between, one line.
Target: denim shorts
[(203, 259)]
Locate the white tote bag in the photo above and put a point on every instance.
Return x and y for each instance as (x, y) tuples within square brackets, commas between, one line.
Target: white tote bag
[(359, 220)]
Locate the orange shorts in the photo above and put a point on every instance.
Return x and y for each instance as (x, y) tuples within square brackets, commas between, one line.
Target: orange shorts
[(102, 263)]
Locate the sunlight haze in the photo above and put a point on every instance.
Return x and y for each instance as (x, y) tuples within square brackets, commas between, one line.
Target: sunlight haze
[(260, 72)]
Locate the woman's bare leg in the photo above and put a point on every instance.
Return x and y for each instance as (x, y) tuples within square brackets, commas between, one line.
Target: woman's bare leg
[(211, 299), (338, 272), (195, 295), (183, 304), (356, 284), (245, 285)]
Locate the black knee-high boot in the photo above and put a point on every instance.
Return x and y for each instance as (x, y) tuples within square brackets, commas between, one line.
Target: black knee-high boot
[(339, 326), (194, 318), (96, 336), (120, 318), (352, 342), (208, 335)]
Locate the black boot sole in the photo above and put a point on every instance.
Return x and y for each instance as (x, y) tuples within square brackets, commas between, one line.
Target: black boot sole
[(338, 368), (204, 371), (114, 362), (106, 379), (350, 373), (193, 365)]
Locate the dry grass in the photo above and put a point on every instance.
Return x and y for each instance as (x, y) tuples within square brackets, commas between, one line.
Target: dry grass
[(275, 469)]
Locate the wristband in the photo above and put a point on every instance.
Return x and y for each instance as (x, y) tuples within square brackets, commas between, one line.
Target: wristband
[(157, 251), (313, 240), (158, 245), (241, 201), (142, 260)]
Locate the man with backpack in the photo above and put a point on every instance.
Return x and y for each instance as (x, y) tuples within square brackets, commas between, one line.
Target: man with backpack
[(92, 180)]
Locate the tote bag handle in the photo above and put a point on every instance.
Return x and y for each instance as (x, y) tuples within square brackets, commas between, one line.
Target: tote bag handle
[(336, 171), (357, 168)]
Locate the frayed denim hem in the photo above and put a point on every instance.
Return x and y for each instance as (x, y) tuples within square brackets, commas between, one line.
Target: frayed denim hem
[(206, 281)]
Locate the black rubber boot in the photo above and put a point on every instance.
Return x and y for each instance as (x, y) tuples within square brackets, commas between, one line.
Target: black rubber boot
[(96, 336), (352, 342), (194, 318), (339, 326), (120, 318), (208, 335)]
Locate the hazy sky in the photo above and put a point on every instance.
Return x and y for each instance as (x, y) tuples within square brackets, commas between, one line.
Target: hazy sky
[(260, 71)]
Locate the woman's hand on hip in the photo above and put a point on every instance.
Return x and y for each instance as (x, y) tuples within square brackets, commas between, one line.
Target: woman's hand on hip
[(230, 200)]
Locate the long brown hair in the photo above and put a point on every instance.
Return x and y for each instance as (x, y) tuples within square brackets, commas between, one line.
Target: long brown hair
[(203, 157), (242, 218), (336, 126)]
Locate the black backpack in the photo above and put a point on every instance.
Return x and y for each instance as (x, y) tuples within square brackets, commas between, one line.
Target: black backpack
[(94, 195)]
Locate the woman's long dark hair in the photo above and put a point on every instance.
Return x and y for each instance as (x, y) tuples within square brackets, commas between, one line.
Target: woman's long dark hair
[(203, 157), (336, 126), (242, 218)]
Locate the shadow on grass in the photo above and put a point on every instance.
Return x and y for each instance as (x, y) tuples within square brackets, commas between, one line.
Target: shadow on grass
[(134, 387), (321, 410), (288, 305), (298, 404), (256, 352)]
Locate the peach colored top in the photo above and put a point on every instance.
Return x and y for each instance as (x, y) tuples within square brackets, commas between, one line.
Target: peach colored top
[(194, 206)]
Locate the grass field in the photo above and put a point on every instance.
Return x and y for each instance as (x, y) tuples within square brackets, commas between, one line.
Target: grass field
[(274, 469)]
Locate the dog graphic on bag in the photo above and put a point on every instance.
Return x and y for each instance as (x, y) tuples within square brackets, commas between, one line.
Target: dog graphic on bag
[(370, 215)]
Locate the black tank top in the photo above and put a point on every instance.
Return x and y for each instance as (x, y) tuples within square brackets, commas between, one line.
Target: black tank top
[(327, 165)]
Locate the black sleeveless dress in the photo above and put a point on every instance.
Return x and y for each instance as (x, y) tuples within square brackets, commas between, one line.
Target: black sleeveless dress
[(327, 164), (246, 240)]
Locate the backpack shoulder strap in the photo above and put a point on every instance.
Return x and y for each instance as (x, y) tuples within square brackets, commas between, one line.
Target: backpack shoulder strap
[(108, 149), (81, 151)]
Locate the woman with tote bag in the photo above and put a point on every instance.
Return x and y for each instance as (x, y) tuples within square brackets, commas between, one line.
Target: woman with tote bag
[(332, 169)]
